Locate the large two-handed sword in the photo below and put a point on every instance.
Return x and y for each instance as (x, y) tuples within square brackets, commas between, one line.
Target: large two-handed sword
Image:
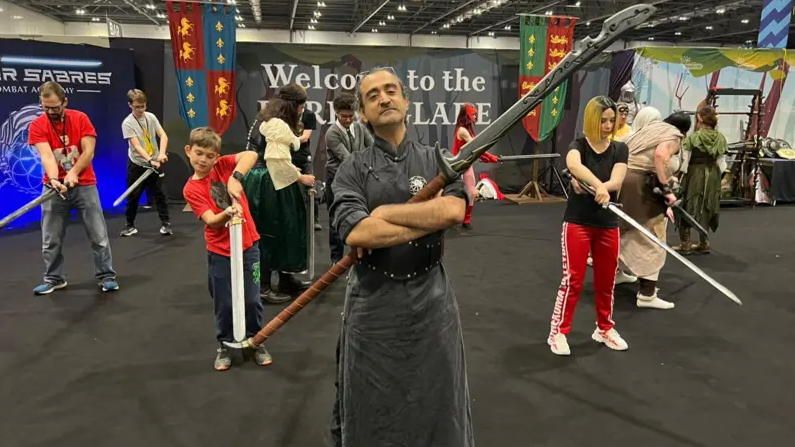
[(615, 209), (451, 168)]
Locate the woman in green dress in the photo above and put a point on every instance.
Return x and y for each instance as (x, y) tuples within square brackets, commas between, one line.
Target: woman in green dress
[(703, 161), (274, 188)]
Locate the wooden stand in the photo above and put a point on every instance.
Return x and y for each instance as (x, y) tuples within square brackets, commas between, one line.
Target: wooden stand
[(532, 193)]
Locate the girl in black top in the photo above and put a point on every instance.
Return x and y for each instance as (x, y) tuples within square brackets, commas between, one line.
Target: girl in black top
[(587, 226)]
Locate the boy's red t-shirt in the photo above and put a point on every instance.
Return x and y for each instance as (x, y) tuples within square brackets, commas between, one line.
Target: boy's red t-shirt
[(64, 140), (210, 194)]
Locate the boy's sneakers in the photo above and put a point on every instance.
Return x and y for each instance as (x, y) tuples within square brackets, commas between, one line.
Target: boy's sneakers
[(262, 357), (129, 231), (166, 230), (109, 285), (47, 288), (222, 360)]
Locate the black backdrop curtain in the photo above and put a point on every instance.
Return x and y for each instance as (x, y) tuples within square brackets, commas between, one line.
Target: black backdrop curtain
[(148, 69), (620, 71)]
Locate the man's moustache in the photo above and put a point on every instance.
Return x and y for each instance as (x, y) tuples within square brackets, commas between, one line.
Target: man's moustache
[(55, 117)]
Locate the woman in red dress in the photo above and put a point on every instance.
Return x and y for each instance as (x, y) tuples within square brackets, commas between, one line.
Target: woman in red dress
[(464, 133)]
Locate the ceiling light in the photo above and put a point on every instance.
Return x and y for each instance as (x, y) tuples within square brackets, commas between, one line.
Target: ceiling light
[(80, 11), (709, 27), (651, 38), (548, 13), (683, 18), (95, 19), (587, 23), (311, 27), (160, 15), (491, 33), (507, 27), (17, 17), (321, 4), (721, 10), (231, 2), (577, 4), (678, 33), (312, 21), (318, 14), (744, 20), (402, 8), (150, 6), (433, 32), (390, 17), (374, 30)]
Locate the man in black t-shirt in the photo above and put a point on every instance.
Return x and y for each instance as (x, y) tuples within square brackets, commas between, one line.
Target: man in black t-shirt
[(588, 226), (302, 157)]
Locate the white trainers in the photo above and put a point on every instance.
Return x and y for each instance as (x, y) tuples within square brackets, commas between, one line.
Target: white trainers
[(652, 302), (623, 278), (559, 345), (611, 339)]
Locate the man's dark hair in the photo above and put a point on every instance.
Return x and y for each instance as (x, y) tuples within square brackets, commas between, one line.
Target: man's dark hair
[(681, 121), (344, 102)]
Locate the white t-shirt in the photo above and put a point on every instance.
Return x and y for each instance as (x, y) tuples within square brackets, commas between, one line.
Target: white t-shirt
[(145, 129)]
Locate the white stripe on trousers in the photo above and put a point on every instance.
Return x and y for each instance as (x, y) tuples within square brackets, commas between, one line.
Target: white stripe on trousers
[(565, 284)]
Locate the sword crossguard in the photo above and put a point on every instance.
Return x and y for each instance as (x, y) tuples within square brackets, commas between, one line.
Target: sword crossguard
[(154, 169)]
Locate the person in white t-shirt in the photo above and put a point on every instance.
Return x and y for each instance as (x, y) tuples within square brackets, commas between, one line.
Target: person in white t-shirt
[(142, 130)]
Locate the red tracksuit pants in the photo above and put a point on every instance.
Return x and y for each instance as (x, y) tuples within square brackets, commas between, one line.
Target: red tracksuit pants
[(576, 242)]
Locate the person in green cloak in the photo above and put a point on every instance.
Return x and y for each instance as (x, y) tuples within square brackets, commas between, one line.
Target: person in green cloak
[(703, 160)]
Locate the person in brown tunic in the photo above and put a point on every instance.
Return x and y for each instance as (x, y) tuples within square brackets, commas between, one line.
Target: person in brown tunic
[(650, 151)]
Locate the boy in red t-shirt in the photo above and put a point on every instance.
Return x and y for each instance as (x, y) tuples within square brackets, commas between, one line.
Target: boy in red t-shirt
[(66, 139), (210, 192)]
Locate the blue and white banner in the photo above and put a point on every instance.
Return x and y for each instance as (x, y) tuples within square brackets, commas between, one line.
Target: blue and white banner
[(96, 82), (774, 24)]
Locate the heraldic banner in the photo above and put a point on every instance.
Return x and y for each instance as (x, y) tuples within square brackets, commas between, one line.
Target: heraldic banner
[(545, 40), (203, 37)]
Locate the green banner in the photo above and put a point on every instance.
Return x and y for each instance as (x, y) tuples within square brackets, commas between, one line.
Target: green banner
[(703, 61)]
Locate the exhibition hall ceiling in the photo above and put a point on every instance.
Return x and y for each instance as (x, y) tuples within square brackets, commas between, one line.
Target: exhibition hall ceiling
[(719, 21)]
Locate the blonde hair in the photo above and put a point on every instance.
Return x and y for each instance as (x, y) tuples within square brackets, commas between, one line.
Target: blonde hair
[(205, 138), (136, 95), (592, 117), (51, 88)]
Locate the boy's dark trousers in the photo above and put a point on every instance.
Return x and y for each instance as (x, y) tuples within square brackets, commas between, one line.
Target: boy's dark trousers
[(154, 188), (220, 284)]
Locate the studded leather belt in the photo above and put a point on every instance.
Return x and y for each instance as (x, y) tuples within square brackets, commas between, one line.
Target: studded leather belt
[(408, 260)]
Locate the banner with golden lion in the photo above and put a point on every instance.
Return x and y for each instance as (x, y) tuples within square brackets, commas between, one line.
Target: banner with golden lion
[(203, 40)]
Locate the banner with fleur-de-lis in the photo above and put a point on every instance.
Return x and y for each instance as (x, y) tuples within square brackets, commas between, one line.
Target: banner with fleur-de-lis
[(545, 40), (203, 43)]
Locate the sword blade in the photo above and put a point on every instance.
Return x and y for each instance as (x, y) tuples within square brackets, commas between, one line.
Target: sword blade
[(238, 284), (528, 157), (134, 186), (672, 252), (692, 221), (311, 234), (45, 196)]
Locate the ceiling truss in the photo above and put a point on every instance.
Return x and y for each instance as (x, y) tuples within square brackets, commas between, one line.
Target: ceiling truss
[(729, 22)]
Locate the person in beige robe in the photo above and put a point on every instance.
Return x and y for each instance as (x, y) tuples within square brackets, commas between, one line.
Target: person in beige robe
[(650, 152)]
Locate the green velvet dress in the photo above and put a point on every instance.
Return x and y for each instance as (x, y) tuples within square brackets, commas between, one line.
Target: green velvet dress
[(701, 184), (280, 216)]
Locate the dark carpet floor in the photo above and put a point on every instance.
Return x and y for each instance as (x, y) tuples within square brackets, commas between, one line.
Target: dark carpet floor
[(134, 368)]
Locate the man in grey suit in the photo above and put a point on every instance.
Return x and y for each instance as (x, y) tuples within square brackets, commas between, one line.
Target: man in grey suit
[(342, 138)]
